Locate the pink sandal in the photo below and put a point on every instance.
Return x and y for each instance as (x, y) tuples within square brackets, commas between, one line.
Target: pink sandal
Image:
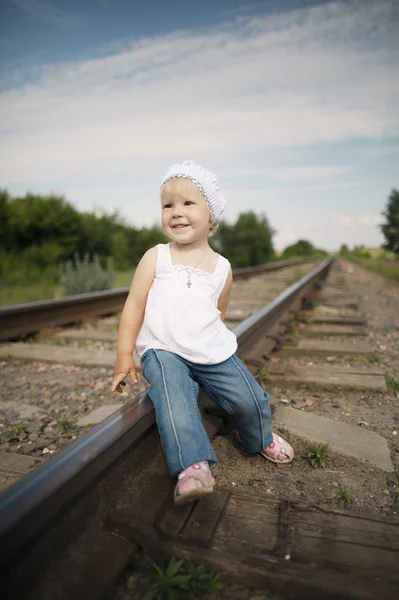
[(279, 451), (194, 482)]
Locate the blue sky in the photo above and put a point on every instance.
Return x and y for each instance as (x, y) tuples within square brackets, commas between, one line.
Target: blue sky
[(294, 105)]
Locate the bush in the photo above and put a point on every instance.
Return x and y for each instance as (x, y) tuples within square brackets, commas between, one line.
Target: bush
[(82, 276)]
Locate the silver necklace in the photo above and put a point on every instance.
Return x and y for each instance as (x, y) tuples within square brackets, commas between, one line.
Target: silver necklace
[(190, 270)]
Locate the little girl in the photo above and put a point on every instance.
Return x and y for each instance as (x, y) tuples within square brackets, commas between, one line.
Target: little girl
[(174, 316)]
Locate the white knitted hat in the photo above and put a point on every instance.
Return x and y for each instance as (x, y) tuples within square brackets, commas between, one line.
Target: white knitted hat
[(206, 182)]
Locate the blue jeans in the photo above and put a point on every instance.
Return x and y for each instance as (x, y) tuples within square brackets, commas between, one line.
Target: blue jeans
[(174, 390)]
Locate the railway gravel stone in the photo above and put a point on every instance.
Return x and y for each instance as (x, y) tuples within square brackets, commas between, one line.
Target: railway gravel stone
[(356, 442)]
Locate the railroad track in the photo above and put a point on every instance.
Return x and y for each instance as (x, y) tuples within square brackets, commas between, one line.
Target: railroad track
[(26, 319), (70, 528)]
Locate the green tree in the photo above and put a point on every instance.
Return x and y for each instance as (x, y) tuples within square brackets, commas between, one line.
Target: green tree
[(300, 248), (249, 242), (5, 241), (39, 220), (142, 240), (390, 228)]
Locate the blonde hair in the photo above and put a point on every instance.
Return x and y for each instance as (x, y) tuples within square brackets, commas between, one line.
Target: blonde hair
[(183, 186)]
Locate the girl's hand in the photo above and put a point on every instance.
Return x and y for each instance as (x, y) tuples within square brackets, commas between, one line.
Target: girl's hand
[(123, 366)]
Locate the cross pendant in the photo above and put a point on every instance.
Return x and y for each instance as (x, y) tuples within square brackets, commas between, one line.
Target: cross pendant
[(188, 284)]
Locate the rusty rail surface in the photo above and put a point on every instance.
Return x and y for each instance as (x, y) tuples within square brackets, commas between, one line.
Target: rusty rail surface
[(24, 319), (33, 507)]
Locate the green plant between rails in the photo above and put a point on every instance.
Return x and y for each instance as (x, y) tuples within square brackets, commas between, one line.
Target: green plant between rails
[(180, 580), (262, 375), (346, 497), (295, 277), (293, 335), (392, 382), (317, 456), (373, 358), (64, 424), (18, 429)]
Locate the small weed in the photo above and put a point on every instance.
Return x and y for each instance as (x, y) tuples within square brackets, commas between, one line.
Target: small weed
[(201, 581), (393, 382), (317, 455), (346, 497), (81, 343), (181, 579), (296, 277), (7, 356), (59, 342), (293, 335), (117, 321), (373, 358), (304, 387), (17, 429), (301, 484), (64, 424), (262, 375)]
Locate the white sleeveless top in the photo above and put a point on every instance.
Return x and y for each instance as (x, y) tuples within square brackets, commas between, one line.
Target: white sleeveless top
[(185, 320)]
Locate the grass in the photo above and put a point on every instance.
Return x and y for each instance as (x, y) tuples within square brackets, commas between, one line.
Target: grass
[(293, 335), (262, 375), (301, 484), (48, 290), (346, 497), (181, 579), (295, 277), (388, 268), (17, 429), (117, 321), (123, 278), (64, 424), (392, 382), (20, 294), (373, 359), (317, 456)]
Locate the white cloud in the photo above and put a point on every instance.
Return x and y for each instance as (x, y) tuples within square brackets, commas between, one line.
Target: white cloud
[(370, 220), (106, 128), (290, 79), (355, 220), (309, 173), (379, 151), (342, 219)]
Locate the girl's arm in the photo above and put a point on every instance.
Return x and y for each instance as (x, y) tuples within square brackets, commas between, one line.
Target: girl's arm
[(225, 296), (132, 318)]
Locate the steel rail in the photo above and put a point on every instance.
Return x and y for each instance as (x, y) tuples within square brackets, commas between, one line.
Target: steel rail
[(29, 505), (25, 319)]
